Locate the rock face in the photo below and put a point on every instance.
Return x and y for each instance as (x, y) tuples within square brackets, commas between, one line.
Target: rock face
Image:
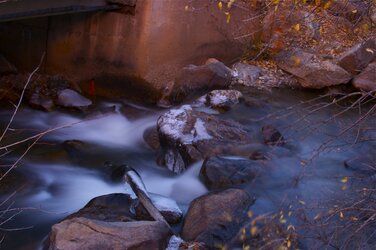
[(367, 79), (310, 70), (272, 136), (218, 172), (358, 57), (187, 136), (246, 74), (215, 217), (82, 233), (196, 79), (70, 98), (168, 208)]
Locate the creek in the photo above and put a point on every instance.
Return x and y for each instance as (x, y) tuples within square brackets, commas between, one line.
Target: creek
[(59, 182)]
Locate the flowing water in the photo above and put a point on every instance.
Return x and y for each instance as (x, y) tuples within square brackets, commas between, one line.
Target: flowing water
[(59, 182)]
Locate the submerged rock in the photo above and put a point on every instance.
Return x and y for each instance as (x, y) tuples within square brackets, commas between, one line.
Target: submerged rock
[(216, 217), (367, 79), (218, 172), (82, 233), (71, 99), (272, 136), (310, 70), (187, 136), (358, 57)]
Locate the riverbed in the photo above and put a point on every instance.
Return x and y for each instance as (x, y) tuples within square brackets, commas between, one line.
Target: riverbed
[(60, 181)]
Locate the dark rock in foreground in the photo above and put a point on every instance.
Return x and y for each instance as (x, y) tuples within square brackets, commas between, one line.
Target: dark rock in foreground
[(216, 217), (187, 136), (218, 172)]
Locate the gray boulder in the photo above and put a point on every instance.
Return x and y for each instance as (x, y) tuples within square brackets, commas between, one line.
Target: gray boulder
[(246, 74)]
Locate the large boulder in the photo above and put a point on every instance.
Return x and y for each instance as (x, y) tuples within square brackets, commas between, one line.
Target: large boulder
[(198, 79), (218, 172), (216, 217), (82, 233), (367, 79), (187, 135), (311, 70), (358, 57)]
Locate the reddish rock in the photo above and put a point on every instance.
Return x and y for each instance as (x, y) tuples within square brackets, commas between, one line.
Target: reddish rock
[(358, 57), (310, 70), (216, 217), (367, 79)]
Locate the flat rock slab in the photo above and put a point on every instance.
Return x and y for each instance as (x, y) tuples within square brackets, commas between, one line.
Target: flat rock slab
[(82, 233)]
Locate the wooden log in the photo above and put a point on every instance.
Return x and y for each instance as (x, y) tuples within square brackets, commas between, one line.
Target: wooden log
[(134, 180)]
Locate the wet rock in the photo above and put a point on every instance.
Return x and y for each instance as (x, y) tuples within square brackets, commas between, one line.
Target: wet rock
[(258, 155), (358, 57), (218, 172), (115, 171), (197, 79), (71, 99), (310, 70), (6, 67), (216, 217), (40, 101), (168, 208), (187, 136), (367, 79), (223, 100), (110, 208), (272, 136), (151, 138), (246, 74), (82, 233)]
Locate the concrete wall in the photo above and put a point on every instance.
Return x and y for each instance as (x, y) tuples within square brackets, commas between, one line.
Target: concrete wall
[(159, 38)]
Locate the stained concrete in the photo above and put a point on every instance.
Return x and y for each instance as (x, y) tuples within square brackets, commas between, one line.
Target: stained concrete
[(152, 41)]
